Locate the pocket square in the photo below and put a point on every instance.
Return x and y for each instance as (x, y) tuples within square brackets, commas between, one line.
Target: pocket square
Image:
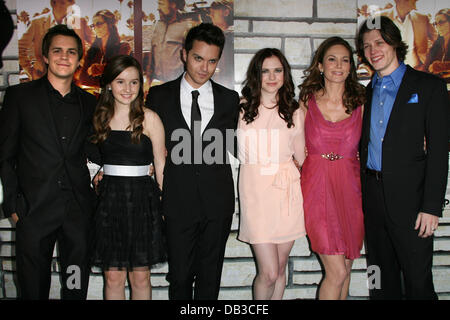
[(414, 98)]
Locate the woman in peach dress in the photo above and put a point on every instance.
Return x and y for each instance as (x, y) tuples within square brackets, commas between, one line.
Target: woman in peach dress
[(270, 135)]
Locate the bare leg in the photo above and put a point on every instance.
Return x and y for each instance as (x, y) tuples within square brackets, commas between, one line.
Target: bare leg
[(267, 260), (284, 249), (115, 284), (346, 286), (140, 285), (335, 276)]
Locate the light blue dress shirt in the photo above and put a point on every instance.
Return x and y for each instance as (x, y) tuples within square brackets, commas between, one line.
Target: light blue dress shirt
[(383, 97)]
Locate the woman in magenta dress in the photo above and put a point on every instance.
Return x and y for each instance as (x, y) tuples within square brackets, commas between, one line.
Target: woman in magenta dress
[(332, 99)]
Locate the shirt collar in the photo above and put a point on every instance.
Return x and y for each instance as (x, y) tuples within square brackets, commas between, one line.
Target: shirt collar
[(52, 90), (395, 76), (186, 86)]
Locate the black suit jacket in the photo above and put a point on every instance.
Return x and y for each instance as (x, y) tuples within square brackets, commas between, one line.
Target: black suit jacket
[(414, 179), (182, 182), (34, 165)]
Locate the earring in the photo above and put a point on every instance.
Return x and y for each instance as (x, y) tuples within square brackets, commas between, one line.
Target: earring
[(109, 89)]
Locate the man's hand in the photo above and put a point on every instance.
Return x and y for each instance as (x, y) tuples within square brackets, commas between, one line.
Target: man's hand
[(15, 217), (427, 224), (98, 177)]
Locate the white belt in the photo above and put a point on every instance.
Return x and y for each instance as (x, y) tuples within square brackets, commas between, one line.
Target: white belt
[(125, 171)]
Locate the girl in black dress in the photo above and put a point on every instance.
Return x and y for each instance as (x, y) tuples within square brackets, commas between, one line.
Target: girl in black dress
[(128, 223)]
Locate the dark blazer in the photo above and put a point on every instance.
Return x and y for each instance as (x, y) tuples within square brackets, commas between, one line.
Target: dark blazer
[(34, 165), (181, 181), (414, 178)]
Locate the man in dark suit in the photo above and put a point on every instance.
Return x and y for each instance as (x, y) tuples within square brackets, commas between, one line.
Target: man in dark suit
[(44, 126), (198, 192), (404, 164)]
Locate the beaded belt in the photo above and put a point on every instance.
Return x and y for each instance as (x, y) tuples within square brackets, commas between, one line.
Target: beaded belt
[(125, 171), (331, 156)]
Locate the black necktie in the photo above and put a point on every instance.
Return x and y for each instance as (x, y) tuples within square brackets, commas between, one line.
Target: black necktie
[(195, 110)]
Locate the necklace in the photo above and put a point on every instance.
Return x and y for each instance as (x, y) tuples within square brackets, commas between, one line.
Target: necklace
[(274, 106)]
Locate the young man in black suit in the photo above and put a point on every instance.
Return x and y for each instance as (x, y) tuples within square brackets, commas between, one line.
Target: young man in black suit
[(198, 194), (404, 164), (44, 126)]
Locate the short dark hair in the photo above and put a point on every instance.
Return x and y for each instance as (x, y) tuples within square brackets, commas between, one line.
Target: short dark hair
[(63, 30), (206, 32), (389, 32)]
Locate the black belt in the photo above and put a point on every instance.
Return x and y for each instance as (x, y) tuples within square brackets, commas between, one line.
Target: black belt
[(377, 174)]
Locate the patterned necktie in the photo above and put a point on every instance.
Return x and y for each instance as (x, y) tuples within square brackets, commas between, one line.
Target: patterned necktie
[(195, 110)]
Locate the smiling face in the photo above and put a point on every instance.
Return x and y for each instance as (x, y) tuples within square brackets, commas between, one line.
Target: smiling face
[(201, 62), (380, 54), (272, 75), (62, 57), (125, 87), (336, 64)]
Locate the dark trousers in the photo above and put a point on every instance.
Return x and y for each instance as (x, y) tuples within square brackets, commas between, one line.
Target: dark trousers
[(34, 251), (396, 250), (196, 254)]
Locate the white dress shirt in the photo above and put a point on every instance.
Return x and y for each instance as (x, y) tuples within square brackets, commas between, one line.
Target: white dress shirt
[(205, 102), (407, 32)]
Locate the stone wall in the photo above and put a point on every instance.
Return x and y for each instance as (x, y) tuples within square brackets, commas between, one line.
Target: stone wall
[(296, 27)]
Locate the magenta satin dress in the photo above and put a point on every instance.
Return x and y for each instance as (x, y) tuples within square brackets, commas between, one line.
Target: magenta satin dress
[(331, 184)]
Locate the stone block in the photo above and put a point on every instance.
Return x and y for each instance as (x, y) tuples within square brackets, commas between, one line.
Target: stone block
[(300, 292), (358, 284), (6, 223), (238, 273), (236, 294), (298, 51), (241, 26), (336, 9), (7, 250), (441, 244), (7, 235), (241, 62), (303, 29), (300, 248), (441, 280), (256, 43), (307, 278), (269, 8), (236, 248), (10, 285)]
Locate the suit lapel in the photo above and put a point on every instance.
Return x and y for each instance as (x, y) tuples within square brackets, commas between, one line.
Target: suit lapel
[(407, 87), (81, 107), (179, 118), (44, 105), (367, 113), (216, 100)]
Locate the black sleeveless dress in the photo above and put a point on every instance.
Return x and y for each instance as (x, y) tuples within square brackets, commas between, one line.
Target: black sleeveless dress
[(128, 228)]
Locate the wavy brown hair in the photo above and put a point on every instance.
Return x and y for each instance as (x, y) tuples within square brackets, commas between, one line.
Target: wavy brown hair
[(251, 91), (105, 106), (354, 93)]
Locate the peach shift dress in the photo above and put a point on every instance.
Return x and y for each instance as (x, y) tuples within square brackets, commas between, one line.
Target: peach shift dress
[(271, 203)]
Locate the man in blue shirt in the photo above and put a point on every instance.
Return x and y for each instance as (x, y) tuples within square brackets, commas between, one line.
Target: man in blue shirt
[(404, 164)]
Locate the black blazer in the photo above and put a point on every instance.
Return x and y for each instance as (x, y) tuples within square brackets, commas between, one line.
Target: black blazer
[(414, 179), (33, 162), (214, 182)]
